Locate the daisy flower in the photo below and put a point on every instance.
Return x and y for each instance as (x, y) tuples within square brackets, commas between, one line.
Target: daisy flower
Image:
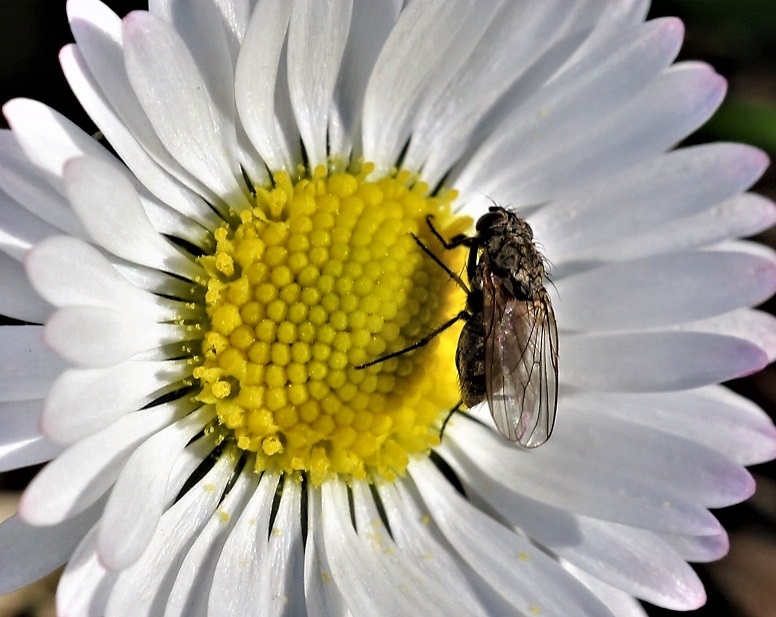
[(201, 287)]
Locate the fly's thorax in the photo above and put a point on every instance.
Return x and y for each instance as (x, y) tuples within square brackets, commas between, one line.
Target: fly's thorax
[(513, 257)]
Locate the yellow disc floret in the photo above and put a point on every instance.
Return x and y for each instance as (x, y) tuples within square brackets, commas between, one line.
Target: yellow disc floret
[(321, 276)]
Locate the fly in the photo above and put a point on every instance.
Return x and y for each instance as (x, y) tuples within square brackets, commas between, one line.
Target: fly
[(508, 349)]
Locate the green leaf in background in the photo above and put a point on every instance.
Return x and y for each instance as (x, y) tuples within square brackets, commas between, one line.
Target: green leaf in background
[(750, 122)]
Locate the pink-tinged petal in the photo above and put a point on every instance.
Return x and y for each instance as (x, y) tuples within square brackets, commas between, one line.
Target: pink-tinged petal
[(669, 109)]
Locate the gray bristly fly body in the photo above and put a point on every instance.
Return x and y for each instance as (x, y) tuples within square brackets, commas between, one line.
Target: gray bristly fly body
[(508, 349)]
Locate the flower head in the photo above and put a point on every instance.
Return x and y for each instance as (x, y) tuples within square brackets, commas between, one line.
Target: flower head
[(234, 376)]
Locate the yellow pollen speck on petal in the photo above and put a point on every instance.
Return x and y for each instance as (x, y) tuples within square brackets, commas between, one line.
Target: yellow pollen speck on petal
[(535, 610), (319, 276)]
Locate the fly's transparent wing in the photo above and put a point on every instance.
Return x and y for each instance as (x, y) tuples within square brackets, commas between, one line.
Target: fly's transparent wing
[(521, 364)]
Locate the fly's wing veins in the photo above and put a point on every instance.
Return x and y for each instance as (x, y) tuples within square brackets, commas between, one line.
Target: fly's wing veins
[(521, 363)]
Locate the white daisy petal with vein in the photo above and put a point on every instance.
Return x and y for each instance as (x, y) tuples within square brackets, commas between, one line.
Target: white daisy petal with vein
[(201, 289)]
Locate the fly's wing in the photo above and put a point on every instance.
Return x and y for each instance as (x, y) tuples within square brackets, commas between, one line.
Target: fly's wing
[(521, 364)]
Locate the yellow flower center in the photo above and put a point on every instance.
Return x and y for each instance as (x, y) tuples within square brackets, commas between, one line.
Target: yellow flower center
[(320, 276)]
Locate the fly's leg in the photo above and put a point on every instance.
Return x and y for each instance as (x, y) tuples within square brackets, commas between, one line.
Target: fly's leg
[(447, 418), (417, 344)]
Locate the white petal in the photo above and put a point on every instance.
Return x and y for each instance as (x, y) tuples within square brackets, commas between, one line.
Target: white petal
[(713, 416), (260, 87), (98, 32), (371, 555), (27, 452), (620, 603), (68, 272), (666, 111), (170, 89), (140, 493), (751, 325), (515, 568), (700, 549), (399, 82), (322, 596), (83, 401), (50, 140), (85, 584), (143, 589), (655, 192), (655, 361), (663, 290), (681, 466), (234, 14), (201, 29), (190, 593), (100, 337), (590, 90), (238, 575), (21, 229), (29, 368), (281, 590), (317, 36), (19, 420), (112, 213), (518, 34), (415, 533), (739, 217), (631, 559), (19, 300), (158, 181), (30, 553), (87, 469), (610, 494), (371, 22), (22, 181)]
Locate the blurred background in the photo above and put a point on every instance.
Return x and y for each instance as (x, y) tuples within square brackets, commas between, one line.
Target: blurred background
[(738, 37)]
